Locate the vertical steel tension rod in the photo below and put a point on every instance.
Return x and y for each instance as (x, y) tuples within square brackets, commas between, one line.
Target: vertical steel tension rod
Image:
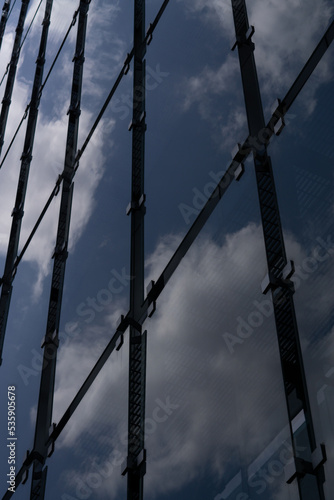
[(136, 459), (3, 21), (18, 211), (6, 101), (50, 342), (307, 468)]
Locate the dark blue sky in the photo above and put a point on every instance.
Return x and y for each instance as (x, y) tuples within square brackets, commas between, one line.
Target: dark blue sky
[(216, 416)]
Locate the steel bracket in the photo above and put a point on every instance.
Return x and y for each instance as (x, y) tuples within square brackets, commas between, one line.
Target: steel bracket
[(126, 64), (300, 467), (247, 39), (50, 339), (270, 282), (149, 34), (135, 205), (120, 342), (74, 110), (60, 252), (139, 123), (136, 463), (28, 458), (151, 296), (122, 324), (79, 57), (27, 156), (18, 212), (239, 171), (51, 447), (135, 324), (25, 476), (33, 455)]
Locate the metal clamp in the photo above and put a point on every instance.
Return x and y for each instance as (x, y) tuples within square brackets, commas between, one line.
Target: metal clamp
[(139, 123), (40, 59), (74, 20), (300, 467), (26, 112), (120, 342), (135, 324), (250, 32), (74, 109), (6, 100), (288, 270), (33, 455), (51, 447), (26, 156), (241, 40), (60, 251), (136, 462), (239, 171), (127, 64), (153, 305), (25, 476), (135, 205), (238, 156), (50, 339), (238, 153), (28, 458), (273, 282), (278, 111), (18, 211), (14, 271), (235, 43), (79, 56), (59, 181), (122, 324), (46, 20), (149, 34)]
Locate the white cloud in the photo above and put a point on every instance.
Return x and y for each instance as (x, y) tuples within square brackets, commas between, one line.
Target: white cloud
[(218, 13), (61, 17), (219, 398), (188, 359), (286, 33), (209, 83), (50, 140), (236, 122)]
